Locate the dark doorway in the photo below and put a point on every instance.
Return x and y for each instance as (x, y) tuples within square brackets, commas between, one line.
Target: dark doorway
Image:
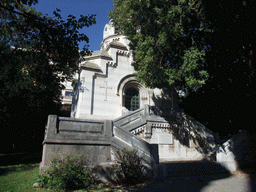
[(132, 99)]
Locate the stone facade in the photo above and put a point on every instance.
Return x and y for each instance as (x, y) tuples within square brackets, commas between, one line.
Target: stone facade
[(106, 83)]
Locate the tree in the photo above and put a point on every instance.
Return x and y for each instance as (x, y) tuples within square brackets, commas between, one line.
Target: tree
[(44, 53), (227, 100), (206, 45), (167, 39)]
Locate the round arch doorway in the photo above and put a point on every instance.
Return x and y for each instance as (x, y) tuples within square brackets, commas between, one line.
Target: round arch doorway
[(132, 99)]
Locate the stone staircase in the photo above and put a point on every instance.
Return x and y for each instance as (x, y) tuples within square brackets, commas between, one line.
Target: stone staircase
[(193, 168), (238, 152)]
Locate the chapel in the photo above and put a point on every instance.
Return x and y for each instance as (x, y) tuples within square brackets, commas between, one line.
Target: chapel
[(106, 86), (112, 110)]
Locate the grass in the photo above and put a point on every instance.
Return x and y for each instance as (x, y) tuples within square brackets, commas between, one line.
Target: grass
[(18, 177), (22, 175)]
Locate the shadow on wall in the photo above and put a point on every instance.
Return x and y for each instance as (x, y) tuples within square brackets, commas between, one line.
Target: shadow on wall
[(185, 128), (239, 150)]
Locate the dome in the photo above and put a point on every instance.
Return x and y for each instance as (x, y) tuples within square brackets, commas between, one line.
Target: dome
[(109, 30)]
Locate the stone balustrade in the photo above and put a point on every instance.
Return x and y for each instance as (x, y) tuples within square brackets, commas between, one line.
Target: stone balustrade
[(230, 153)]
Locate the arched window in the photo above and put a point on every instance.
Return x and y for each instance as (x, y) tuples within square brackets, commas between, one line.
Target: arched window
[(132, 99)]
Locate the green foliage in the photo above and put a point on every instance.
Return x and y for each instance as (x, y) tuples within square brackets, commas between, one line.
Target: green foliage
[(37, 53), (129, 166), (167, 39), (231, 67), (55, 39), (66, 173)]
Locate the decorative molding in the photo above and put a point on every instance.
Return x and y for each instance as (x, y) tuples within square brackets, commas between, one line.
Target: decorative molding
[(144, 98), (139, 130), (116, 39), (111, 64), (161, 125), (123, 53)]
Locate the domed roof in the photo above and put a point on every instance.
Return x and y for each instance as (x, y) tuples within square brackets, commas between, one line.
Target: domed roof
[(109, 30)]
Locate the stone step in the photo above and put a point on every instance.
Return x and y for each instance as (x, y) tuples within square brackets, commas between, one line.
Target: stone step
[(193, 168)]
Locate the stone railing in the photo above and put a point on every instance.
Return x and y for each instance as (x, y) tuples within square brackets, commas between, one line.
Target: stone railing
[(230, 153), (125, 139), (93, 139), (71, 130), (130, 118)]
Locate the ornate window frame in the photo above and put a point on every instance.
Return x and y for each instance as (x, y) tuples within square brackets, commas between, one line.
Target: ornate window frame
[(130, 81)]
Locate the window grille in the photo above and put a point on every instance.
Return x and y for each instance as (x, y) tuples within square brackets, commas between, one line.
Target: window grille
[(132, 99)]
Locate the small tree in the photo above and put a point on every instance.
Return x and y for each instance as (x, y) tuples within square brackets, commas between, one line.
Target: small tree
[(129, 166), (66, 173)]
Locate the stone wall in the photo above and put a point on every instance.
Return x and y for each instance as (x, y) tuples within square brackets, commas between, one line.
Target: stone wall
[(175, 136), (93, 139), (231, 153)]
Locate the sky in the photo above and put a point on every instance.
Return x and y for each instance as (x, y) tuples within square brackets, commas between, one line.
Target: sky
[(81, 7)]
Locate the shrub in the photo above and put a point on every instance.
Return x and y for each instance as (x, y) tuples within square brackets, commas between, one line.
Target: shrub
[(129, 166), (66, 173)]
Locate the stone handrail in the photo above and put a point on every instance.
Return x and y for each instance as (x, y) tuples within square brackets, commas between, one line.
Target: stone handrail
[(231, 152), (129, 118), (125, 139)]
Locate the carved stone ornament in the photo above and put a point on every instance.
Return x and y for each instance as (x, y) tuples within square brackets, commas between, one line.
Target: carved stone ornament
[(139, 130), (123, 53), (111, 64), (161, 125)]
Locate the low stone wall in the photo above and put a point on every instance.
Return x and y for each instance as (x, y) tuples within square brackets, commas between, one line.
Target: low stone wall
[(94, 140)]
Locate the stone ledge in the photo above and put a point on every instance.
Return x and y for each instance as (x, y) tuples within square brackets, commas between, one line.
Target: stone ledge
[(79, 142)]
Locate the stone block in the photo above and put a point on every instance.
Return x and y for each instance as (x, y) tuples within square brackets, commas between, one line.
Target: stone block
[(89, 127)]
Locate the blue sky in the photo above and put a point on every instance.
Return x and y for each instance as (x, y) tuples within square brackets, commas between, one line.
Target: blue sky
[(81, 7)]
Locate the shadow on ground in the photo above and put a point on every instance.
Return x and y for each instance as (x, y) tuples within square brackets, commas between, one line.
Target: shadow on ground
[(18, 161), (20, 158), (201, 176)]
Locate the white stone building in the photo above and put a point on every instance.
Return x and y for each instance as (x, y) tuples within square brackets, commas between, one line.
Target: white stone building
[(106, 87), (112, 110)]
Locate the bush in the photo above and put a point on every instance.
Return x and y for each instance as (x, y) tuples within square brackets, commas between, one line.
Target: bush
[(129, 166), (66, 173)]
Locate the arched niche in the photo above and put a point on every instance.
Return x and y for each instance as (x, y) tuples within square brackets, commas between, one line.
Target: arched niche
[(133, 94)]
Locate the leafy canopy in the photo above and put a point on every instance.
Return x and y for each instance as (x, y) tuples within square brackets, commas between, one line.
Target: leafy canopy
[(47, 47), (56, 39), (37, 53), (167, 39)]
